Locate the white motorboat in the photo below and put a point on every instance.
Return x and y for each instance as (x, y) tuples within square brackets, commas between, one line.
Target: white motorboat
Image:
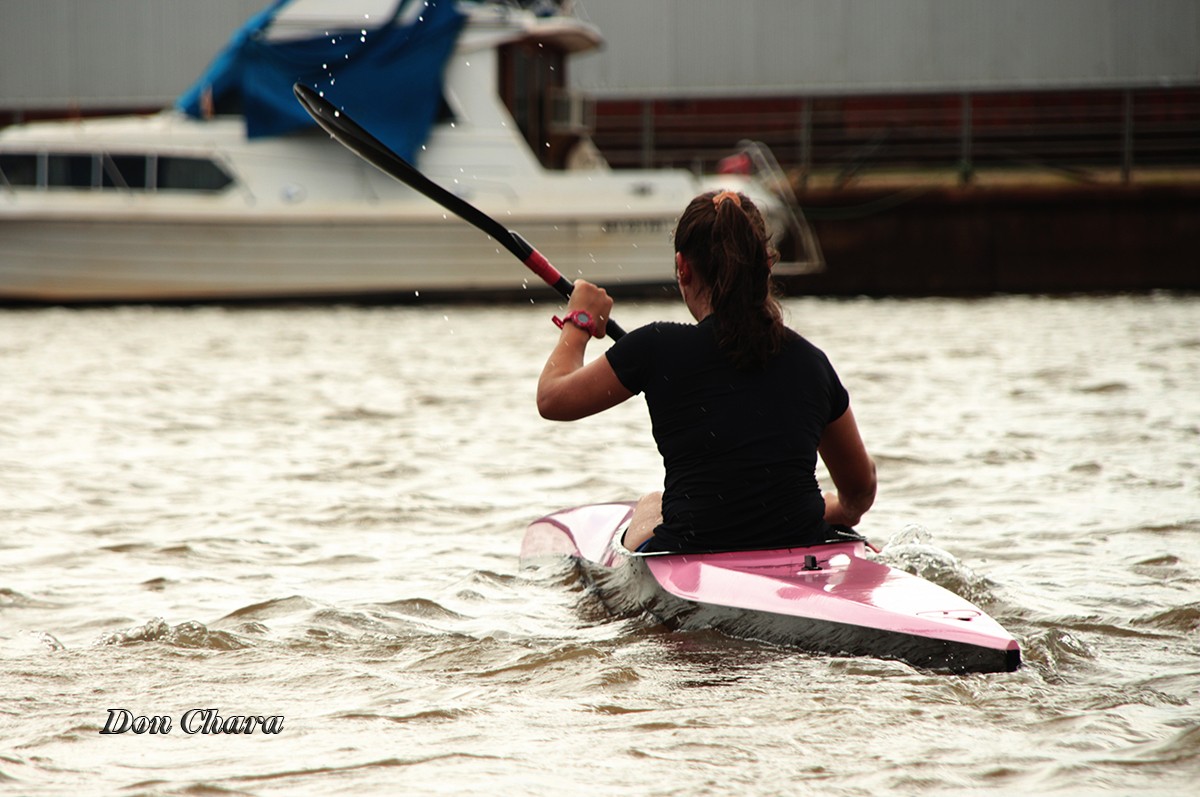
[(233, 194)]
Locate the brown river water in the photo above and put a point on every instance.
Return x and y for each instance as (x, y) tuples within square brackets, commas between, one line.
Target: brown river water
[(312, 514)]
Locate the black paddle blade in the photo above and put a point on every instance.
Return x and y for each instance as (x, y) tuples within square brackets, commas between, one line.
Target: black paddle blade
[(352, 136)]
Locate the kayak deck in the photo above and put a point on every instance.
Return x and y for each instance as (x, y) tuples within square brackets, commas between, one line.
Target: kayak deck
[(828, 598)]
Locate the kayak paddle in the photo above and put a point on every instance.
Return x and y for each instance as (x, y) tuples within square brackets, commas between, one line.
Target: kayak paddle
[(350, 135)]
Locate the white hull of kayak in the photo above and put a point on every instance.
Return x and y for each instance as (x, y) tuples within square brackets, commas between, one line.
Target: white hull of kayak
[(829, 598)]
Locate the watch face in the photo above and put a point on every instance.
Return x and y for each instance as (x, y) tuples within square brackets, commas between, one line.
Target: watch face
[(584, 318)]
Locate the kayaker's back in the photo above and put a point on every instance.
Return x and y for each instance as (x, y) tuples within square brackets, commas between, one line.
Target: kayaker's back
[(739, 446)]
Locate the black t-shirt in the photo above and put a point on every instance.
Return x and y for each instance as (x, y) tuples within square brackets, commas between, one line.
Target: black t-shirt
[(739, 447)]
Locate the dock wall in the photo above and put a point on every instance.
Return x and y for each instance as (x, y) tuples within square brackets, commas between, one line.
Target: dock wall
[(971, 241)]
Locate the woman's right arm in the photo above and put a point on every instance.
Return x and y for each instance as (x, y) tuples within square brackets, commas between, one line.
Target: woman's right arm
[(567, 389), (852, 471)]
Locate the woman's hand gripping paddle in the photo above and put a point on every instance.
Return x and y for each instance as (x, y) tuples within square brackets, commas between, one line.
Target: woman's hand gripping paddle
[(370, 149)]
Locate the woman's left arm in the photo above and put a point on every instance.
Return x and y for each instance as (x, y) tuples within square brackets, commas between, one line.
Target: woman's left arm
[(568, 389), (852, 471)]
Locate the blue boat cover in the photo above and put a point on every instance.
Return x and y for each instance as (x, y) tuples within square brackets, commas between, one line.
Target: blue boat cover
[(389, 79)]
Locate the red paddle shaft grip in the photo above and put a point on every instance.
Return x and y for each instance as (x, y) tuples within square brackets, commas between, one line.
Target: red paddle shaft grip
[(536, 262)]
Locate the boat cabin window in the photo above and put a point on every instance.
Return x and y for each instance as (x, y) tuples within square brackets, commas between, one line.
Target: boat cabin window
[(18, 170), (104, 171), (71, 171), (123, 171), (190, 174)]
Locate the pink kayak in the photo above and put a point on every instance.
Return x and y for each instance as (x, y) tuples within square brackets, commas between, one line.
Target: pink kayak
[(829, 598)]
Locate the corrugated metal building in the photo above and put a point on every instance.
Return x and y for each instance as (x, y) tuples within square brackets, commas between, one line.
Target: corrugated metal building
[(63, 54), (60, 55), (706, 47)]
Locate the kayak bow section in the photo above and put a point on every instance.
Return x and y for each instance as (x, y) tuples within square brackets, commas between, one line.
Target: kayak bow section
[(829, 598)]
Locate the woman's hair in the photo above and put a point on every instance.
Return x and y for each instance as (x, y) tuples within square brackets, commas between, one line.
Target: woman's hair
[(723, 236)]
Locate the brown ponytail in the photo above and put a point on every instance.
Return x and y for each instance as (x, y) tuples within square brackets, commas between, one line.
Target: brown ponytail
[(723, 235)]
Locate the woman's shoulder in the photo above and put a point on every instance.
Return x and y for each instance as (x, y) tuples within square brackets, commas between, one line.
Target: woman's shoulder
[(658, 340), (793, 338), (801, 345), (670, 329)]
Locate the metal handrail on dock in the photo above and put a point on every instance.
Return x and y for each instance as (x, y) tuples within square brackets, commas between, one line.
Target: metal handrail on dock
[(1081, 135)]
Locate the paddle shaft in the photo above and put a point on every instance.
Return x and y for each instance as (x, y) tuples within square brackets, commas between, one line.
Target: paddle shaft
[(366, 146)]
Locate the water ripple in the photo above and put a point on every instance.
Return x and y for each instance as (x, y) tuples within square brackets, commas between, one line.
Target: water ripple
[(321, 508)]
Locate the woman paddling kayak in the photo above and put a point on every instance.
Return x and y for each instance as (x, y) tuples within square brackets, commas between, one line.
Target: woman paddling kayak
[(740, 405)]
